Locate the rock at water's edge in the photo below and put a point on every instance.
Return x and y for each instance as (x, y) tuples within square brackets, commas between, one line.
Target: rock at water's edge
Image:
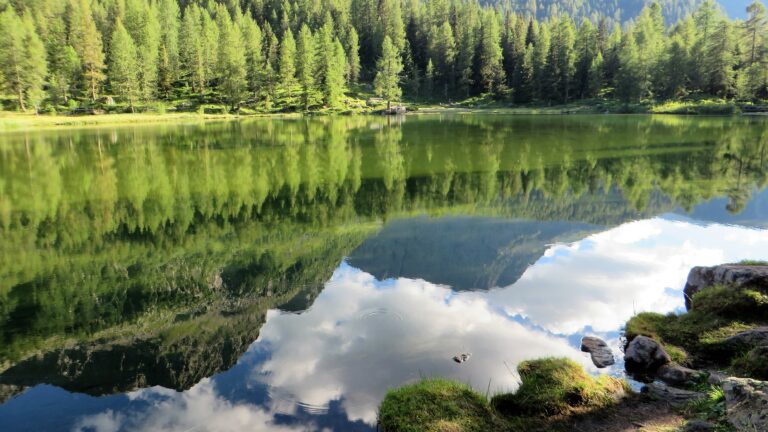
[(674, 396), (601, 354), (746, 403), (643, 357), (727, 274), (676, 375)]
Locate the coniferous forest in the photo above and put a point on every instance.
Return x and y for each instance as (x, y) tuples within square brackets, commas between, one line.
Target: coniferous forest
[(297, 55)]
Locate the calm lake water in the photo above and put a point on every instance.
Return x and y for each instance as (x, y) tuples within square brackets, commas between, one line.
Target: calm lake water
[(281, 275)]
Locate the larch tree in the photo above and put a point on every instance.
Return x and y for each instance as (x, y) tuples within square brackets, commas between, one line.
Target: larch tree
[(86, 40), (288, 62), (123, 65), (306, 65), (388, 69), (334, 85), (254, 55), (231, 69)]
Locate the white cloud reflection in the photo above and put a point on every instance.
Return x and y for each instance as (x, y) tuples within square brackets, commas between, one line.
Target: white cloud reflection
[(200, 408), (604, 279)]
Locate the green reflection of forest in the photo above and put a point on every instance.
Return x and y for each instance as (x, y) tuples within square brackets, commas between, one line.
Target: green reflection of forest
[(152, 233)]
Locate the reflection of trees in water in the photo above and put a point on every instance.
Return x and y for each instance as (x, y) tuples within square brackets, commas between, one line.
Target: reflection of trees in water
[(106, 233)]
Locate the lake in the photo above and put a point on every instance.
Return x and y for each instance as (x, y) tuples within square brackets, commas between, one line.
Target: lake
[(283, 274)]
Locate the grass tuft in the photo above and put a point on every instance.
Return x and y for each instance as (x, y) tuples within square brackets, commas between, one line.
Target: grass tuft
[(555, 386)]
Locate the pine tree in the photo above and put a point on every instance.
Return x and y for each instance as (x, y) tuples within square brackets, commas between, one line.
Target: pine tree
[(123, 65), (168, 67), (429, 79), (628, 85), (141, 22), (442, 48), (306, 65), (756, 30), (388, 69)]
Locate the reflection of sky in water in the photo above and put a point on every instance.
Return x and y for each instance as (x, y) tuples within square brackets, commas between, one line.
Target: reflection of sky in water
[(329, 367)]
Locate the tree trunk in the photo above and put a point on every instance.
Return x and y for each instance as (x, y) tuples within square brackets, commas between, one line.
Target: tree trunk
[(389, 106), (21, 101)]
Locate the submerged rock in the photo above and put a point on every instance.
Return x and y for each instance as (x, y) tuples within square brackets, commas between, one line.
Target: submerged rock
[(643, 357), (746, 403), (676, 375), (601, 354), (728, 274)]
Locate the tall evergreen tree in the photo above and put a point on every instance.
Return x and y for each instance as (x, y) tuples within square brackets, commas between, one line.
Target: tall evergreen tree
[(306, 65), (388, 69), (86, 40), (231, 67), (123, 65), (22, 59), (490, 55), (288, 61)]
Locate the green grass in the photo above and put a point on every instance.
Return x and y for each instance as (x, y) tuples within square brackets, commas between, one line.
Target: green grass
[(753, 263), (436, 405), (702, 107), (555, 386), (710, 408), (550, 388)]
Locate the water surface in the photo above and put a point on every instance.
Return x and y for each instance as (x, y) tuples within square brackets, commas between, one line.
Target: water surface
[(281, 275)]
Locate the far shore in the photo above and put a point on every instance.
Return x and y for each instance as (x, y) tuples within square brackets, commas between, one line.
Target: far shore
[(15, 121)]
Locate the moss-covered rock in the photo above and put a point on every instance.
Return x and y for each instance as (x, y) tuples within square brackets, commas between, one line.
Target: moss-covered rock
[(558, 386)]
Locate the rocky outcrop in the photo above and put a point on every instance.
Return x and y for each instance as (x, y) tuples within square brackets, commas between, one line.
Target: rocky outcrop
[(601, 353), (746, 403), (728, 274), (643, 357)]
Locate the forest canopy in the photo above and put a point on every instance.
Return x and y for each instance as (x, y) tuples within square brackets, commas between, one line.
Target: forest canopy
[(269, 55)]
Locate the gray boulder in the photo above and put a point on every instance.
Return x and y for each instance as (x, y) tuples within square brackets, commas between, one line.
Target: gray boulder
[(678, 376), (746, 403), (643, 357), (750, 338), (601, 353), (728, 274)]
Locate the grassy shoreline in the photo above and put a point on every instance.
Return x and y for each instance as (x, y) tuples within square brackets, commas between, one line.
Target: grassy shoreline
[(15, 121)]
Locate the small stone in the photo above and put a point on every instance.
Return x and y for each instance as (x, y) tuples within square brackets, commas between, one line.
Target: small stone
[(461, 358), (600, 352)]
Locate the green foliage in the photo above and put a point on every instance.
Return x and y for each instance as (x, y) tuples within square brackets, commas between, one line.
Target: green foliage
[(388, 69), (436, 405), (710, 408), (558, 386), (193, 53), (123, 65)]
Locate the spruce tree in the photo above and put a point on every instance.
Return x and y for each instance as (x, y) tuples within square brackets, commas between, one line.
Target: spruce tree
[(333, 87), (490, 56), (388, 69), (254, 55)]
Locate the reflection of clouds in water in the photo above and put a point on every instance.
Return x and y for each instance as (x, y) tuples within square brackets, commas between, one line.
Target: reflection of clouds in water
[(604, 279), (197, 409), (362, 337)]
